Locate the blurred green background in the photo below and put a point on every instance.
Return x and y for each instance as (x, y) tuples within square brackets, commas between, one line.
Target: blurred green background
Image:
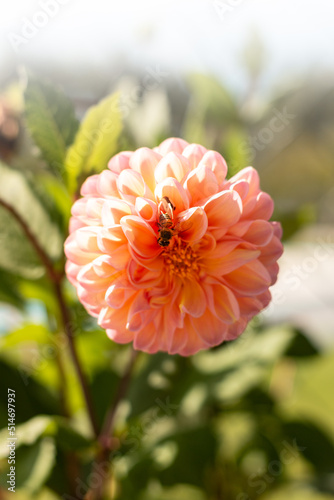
[(254, 80)]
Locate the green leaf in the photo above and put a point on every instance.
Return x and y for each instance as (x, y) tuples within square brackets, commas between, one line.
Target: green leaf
[(9, 289), (17, 254), (34, 465), (26, 434), (314, 443), (96, 140), (51, 121), (178, 492), (28, 333), (33, 397)]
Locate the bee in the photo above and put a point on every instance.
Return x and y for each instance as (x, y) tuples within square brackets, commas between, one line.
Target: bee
[(166, 222)]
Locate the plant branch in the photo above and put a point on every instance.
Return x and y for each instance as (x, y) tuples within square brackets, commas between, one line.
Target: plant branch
[(48, 264), (56, 279), (105, 437)]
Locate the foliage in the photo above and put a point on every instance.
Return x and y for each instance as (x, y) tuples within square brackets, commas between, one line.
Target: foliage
[(248, 419)]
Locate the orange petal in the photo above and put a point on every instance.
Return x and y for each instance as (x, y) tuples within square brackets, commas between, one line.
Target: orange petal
[(223, 209), (142, 277), (259, 233), (144, 338), (147, 209), (250, 175), (141, 236), (172, 165), (75, 254), (120, 162), (103, 266), (241, 187), (194, 153), (107, 184), (230, 262), (171, 188), (131, 184), (144, 161), (86, 239), (201, 183), (119, 292), (194, 342), (263, 208), (172, 144), (216, 163), (113, 210), (91, 281), (222, 302), (193, 224), (249, 279), (209, 328), (111, 238), (89, 187), (192, 298)]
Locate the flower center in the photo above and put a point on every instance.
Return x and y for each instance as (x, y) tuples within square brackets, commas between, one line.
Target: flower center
[(181, 259)]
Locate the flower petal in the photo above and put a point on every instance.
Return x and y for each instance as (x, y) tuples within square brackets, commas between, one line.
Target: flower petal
[(147, 209), (193, 224), (89, 187), (130, 185), (172, 144), (192, 298), (201, 183), (75, 254), (107, 184), (194, 153), (120, 162), (222, 302), (113, 210), (250, 279), (215, 162), (171, 188), (172, 165), (210, 328), (223, 209), (144, 161), (141, 236)]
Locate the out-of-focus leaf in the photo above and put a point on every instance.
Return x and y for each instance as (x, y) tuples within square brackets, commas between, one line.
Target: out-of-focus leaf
[(296, 492), (104, 387), (178, 492), (236, 150), (28, 333), (27, 433), (184, 457), (314, 444), (17, 254), (200, 443), (96, 140), (311, 395), (32, 396), (252, 347), (34, 465), (301, 346), (9, 289), (68, 438), (51, 121), (145, 393)]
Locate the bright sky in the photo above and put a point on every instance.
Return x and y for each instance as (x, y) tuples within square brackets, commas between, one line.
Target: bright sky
[(204, 35)]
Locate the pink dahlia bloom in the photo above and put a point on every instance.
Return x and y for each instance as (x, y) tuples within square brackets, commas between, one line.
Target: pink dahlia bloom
[(170, 255)]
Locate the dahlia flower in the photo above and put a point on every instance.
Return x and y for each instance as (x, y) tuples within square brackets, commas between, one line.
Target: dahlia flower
[(167, 253)]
